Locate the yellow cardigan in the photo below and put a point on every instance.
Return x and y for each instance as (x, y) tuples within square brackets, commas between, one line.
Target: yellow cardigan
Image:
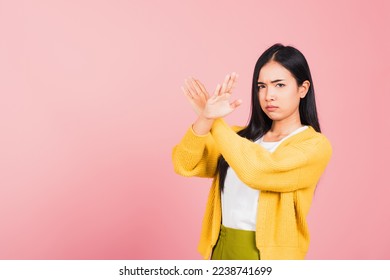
[(286, 178)]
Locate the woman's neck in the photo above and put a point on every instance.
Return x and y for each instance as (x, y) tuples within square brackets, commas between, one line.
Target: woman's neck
[(284, 127)]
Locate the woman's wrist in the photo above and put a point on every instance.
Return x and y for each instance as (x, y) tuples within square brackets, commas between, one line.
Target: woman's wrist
[(202, 125)]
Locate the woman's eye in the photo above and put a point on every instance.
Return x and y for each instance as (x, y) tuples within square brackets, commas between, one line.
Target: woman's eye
[(280, 85), (261, 86)]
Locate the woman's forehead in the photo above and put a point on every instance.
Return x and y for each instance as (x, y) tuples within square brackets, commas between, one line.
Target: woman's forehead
[(273, 71)]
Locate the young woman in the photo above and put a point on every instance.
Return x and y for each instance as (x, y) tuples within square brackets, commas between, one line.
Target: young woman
[(264, 174)]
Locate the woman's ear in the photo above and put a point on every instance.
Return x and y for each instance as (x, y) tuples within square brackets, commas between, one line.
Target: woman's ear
[(304, 88)]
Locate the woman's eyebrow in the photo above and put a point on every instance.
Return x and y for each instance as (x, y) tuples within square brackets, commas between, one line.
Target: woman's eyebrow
[(274, 81)]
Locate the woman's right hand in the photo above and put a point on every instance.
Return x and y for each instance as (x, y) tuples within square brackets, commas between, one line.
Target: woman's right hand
[(196, 94)]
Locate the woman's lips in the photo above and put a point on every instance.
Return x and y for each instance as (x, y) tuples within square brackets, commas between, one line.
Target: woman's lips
[(271, 108)]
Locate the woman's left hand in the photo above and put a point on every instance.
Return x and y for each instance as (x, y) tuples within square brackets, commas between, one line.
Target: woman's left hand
[(219, 104)]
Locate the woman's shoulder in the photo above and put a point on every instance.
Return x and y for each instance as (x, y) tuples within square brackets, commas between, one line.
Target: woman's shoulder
[(317, 135), (314, 140)]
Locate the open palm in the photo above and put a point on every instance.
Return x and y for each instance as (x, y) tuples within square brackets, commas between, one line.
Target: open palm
[(219, 104)]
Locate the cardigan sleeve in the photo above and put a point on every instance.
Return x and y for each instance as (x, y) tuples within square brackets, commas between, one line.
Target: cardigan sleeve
[(195, 155), (291, 167)]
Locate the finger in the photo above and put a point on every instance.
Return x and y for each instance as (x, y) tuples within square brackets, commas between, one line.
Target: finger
[(225, 83), (204, 91), (186, 92), (204, 96), (187, 95), (198, 90), (190, 88), (232, 81), (217, 90)]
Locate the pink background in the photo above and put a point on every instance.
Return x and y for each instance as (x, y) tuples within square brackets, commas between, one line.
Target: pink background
[(91, 107)]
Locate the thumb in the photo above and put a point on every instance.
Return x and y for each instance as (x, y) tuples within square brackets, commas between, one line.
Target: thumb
[(236, 103)]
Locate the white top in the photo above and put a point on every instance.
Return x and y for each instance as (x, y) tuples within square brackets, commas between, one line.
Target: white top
[(239, 202)]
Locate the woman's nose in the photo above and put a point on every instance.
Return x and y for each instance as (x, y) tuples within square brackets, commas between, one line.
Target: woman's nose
[(269, 95)]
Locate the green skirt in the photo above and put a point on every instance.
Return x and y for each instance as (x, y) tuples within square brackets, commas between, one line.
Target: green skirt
[(235, 244)]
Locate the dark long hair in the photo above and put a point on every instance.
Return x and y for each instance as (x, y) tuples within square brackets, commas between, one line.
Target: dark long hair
[(259, 123)]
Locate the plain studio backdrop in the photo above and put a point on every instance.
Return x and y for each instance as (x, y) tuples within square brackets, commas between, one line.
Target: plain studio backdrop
[(91, 108)]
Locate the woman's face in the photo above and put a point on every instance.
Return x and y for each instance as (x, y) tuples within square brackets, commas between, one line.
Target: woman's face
[(279, 93)]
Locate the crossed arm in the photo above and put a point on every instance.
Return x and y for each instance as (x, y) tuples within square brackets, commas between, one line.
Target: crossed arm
[(297, 165)]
